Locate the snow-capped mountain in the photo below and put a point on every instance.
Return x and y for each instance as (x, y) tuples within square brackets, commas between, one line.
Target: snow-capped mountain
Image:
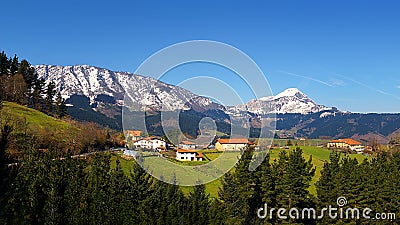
[(290, 100), (94, 82), (144, 91)]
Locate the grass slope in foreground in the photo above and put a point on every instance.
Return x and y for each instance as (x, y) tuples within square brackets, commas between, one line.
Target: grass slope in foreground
[(34, 119), (46, 129)]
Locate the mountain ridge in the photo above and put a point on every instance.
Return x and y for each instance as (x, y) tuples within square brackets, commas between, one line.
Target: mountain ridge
[(92, 81), (98, 95)]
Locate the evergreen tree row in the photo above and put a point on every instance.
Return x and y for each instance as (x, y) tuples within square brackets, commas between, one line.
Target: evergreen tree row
[(19, 83)]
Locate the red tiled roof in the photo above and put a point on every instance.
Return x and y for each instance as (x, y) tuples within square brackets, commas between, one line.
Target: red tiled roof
[(348, 141), (134, 132), (233, 141)]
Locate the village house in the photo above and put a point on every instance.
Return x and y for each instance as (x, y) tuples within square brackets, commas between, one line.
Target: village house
[(346, 143), (232, 144), (151, 143), (133, 135), (187, 145), (188, 155)]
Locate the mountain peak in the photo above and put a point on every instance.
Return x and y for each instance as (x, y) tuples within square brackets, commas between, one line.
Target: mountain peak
[(291, 100), (291, 92)]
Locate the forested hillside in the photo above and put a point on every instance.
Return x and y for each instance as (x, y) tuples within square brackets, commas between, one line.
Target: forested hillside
[(19, 83)]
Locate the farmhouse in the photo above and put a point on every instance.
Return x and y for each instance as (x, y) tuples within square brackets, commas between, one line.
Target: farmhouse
[(347, 143), (187, 145), (188, 155), (133, 135), (232, 144), (151, 143)]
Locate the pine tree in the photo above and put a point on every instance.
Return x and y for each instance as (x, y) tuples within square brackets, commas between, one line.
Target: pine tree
[(267, 184), (29, 74), (240, 193), (327, 186), (123, 198), (1, 92), (38, 91), (99, 189), (5, 132), (60, 108), (293, 177), (14, 65), (4, 64), (216, 212), (50, 93), (198, 205), (76, 191)]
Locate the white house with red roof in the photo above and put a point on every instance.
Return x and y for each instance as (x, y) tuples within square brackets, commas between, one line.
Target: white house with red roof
[(188, 155), (151, 143), (133, 135), (232, 144), (347, 143)]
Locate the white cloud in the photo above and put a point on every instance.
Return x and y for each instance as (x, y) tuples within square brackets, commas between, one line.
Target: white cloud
[(370, 87), (337, 82)]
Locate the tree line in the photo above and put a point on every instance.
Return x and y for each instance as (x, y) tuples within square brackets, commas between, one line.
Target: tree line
[(20, 83), (92, 191)]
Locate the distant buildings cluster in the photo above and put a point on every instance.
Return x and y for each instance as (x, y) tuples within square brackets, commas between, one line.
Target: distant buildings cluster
[(185, 151), (190, 151)]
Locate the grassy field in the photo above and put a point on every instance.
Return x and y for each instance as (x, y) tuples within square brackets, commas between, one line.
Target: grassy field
[(307, 142), (319, 156)]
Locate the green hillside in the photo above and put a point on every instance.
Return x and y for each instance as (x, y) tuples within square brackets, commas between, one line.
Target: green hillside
[(35, 120)]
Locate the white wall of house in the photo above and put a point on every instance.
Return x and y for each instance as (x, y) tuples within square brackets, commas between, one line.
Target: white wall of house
[(187, 156), (337, 145), (235, 147), (157, 143), (143, 144), (187, 146), (150, 144), (358, 148)]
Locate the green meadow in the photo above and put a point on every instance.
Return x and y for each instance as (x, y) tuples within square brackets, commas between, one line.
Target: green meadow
[(319, 156)]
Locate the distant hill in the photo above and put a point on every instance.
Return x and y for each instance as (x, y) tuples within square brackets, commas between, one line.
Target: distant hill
[(334, 124)]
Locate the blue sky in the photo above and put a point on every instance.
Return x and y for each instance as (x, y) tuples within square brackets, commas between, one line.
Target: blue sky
[(340, 53)]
